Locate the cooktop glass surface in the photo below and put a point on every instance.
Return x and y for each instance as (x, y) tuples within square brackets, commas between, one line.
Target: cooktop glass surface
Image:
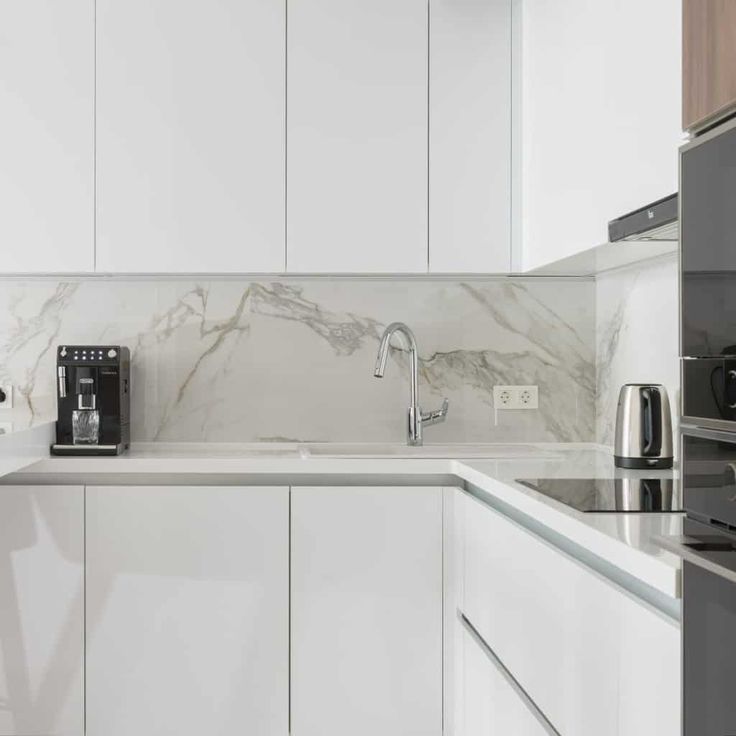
[(633, 495)]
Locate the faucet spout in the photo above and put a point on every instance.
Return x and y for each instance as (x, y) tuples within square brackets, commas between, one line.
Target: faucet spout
[(416, 417)]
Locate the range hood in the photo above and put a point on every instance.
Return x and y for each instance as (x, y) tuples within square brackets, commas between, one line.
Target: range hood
[(656, 221)]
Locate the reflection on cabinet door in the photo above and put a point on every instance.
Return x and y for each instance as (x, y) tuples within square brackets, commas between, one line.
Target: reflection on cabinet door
[(187, 611), (366, 616), (41, 610), (357, 132), (491, 706), (47, 60), (190, 135)]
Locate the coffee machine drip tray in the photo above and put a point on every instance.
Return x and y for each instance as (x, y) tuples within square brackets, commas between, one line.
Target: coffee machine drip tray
[(86, 449), (622, 495)]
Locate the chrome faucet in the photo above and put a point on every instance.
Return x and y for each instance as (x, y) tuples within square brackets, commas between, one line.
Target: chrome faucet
[(417, 418)]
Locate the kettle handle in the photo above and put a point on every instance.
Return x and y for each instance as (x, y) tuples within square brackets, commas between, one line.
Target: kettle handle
[(651, 420)]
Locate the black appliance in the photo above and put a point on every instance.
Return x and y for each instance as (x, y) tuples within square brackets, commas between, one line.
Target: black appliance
[(708, 430), (93, 400), (632, 495), (655, 221)]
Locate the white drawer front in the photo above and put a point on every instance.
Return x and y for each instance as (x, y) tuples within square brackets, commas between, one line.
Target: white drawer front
[(593, 658)]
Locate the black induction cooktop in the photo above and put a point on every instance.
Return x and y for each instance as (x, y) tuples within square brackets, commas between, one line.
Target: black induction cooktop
[(627, 495)]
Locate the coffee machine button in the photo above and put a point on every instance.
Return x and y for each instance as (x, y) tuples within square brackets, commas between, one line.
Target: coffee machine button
[(63, 353), (111, 353)]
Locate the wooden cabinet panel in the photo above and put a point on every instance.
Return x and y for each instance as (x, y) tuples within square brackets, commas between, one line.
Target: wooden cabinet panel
[(357, 136), (708, 59), (47, 60), (190, 135), (366, 616), (187, 611), (470, 136), (41, 610)]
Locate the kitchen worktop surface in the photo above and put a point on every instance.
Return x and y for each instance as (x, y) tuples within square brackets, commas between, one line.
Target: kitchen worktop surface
[(624, 541)]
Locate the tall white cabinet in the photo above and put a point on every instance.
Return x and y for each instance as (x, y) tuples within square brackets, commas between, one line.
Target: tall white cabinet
[(187, 610), (366, 611), (470, 136), (47, 135), (600, 117), (41, 610), (357, 136), (190, 135)]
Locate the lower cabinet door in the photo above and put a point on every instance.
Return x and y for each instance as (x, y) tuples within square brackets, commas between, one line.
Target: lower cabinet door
[(490, 704), (366, 622), (187, 611), (41, 610)]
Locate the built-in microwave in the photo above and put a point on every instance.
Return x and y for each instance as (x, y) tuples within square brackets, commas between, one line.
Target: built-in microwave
[(708, 278)]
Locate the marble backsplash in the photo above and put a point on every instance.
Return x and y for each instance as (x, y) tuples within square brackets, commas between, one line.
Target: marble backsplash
[(637, 334), (241, 361)]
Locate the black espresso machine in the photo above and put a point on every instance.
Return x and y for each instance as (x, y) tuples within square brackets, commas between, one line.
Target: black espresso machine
[(93, 400)]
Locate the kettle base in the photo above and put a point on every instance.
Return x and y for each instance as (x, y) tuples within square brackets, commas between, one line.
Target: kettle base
[(643, 463)]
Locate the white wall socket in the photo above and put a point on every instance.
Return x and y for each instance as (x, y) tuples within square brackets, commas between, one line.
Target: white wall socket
[(516, 397), (6, 396)]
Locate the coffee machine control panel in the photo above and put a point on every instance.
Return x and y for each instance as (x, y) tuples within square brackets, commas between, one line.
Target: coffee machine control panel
[(92, 354)]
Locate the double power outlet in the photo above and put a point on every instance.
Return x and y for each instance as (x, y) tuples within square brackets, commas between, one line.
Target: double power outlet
[(516, 397)]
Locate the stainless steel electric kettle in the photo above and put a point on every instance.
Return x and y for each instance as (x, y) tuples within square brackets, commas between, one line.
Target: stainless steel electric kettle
[(643, 427)]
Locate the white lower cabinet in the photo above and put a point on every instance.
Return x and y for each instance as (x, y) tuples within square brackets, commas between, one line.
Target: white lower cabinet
[(187, 611), (594, 658), (41, 610), (490, 704), (366, 620)]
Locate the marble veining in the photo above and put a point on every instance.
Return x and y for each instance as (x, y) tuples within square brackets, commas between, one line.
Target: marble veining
[(245, 361), (637, 337)]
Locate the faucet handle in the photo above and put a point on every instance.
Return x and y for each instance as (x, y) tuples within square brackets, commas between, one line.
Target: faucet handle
[(437, 416)]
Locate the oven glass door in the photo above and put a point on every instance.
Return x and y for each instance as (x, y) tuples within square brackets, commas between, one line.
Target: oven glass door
[(709, 653), (708, 242)]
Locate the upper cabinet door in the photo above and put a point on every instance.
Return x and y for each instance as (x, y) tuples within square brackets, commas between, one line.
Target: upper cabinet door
[(470, 136), (190, 135), (47, 135), (709, 60), (600, 109), (357, 136)]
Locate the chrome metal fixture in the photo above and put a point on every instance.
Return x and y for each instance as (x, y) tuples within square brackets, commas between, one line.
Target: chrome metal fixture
[(417, 418)]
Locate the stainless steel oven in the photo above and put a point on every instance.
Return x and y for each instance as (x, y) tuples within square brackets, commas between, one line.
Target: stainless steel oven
[(708, 278)]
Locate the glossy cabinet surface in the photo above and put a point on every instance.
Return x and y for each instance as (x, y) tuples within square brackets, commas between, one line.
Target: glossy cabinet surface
[(47, 135), (187, 610), (357, 136), (601, 91), (41, 610), (490, 705), (470, 136), (190, 135), (592, 657), (366, 615)]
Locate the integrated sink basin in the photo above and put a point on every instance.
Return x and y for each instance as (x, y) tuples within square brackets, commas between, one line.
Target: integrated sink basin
[(396, 450)]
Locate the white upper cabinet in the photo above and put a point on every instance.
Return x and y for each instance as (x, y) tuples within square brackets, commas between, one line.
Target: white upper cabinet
[(600, 117), (357, 136), (470, 136), (190, 135), (46, 135)]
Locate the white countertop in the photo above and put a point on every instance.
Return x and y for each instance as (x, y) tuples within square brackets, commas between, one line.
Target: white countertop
[(626, 541)]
